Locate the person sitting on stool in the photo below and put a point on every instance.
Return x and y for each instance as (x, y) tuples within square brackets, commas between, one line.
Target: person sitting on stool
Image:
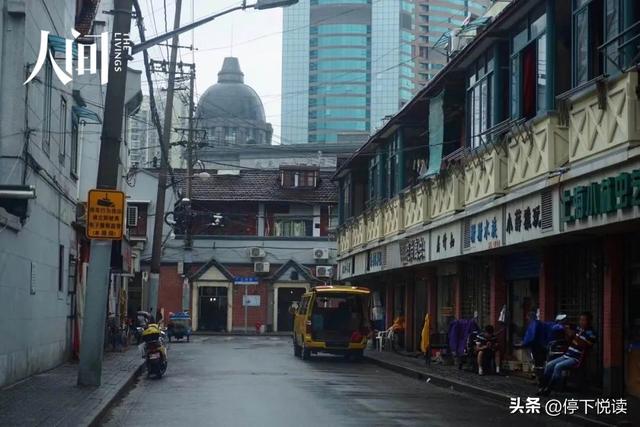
[(581, 340), (487, 344)]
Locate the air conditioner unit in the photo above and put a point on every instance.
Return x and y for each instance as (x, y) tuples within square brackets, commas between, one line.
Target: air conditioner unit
[(324, 271), (260, 267), (256, 253), (321, 253)]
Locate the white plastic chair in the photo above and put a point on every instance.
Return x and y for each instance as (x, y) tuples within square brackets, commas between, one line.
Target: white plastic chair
[(382, 337)]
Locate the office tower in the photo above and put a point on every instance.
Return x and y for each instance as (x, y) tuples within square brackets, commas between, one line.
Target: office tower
[(433, 19), (347, 64)]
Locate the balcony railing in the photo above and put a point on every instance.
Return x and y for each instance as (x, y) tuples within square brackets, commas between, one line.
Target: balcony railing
[(416, 205), (392, 217), (534, 150), (446, 194), (484, 176), (604, 118), (374, 224)]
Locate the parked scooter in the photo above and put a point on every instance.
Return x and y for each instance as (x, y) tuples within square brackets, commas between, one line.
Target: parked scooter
[(155, 351)]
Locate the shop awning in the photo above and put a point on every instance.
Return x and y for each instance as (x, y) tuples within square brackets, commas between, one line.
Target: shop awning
[(85, 113), (58, 46), (436, 133)]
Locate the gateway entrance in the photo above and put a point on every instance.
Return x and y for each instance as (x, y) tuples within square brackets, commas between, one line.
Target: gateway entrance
[(212, 308)]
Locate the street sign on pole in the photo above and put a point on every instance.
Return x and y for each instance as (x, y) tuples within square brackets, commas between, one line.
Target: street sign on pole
[(105, 214)]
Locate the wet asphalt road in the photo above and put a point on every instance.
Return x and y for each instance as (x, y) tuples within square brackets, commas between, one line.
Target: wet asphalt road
[(256, 381)]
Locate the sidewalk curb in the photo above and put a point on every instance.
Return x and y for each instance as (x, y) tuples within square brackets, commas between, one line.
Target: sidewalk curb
[(241, 334), (95, 418), (493, 396)]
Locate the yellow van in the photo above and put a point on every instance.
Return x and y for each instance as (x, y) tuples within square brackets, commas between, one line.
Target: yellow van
[(332, 319)]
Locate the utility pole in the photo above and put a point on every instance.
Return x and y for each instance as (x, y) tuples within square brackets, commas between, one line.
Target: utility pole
[(156, 249), (95, 312), (190, 146)]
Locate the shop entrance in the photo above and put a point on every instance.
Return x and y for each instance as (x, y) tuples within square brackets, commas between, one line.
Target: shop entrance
[(286, 296), (212, 308), (522, 300), (632, 320)]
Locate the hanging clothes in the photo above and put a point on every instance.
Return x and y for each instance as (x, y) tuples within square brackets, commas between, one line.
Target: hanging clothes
[(425, 342)]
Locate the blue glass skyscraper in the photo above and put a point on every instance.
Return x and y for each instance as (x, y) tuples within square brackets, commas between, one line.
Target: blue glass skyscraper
[(349, 63)]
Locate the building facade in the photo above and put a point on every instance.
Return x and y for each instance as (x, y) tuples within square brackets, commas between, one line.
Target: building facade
[(48, 157), (341, 71), (264, 233), (231, 112), (433, 19), (524, 200), (349, 64)]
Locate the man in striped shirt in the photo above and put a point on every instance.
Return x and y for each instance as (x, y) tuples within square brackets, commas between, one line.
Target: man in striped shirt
[(580, 341)]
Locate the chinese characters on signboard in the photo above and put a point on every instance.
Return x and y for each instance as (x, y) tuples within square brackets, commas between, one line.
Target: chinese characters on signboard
[(105, 214), (375, 260), (523, 219), (413, 250), (530, 218), (484, 231), (445, 241), (346, 267), (597, 199)]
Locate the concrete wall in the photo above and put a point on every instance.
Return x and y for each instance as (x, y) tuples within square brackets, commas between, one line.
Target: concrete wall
[(33, 311), (34, 304)]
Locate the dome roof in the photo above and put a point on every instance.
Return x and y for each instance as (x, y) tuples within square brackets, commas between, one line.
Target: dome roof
[(230, 97)]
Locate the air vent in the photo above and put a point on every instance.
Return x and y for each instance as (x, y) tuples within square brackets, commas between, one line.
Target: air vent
[(546, 214), (467, 233)]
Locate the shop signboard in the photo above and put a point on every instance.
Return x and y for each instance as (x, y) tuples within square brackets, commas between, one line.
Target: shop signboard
[(445, 241), (376, 259), (483, 231), (360, 263), (601, 199), (414, 249), (531, 217), (345, 268), (251, 300)]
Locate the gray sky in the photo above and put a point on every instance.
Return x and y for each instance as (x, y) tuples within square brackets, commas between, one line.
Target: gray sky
[(253, 36)]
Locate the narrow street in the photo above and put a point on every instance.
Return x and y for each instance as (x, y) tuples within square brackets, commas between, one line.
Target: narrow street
[(256, 381)]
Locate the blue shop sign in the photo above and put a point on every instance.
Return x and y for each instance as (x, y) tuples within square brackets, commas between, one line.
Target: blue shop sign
[(245, 281)]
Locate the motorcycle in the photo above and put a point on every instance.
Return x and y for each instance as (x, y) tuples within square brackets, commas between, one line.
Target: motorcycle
[(155, 352)]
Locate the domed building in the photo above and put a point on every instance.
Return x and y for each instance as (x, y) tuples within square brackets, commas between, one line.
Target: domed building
[(232, 112)]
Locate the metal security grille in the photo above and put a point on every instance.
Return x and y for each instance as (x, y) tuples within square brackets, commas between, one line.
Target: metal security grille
[(579, 277), (546, 214), (467, 233), (474, 289)]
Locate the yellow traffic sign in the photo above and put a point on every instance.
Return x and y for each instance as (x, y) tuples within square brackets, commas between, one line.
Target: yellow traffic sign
[(105, 214)]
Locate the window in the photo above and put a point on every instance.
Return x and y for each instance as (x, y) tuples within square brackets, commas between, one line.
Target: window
[(61, 263), (74, 149), (345, 194), (62, 127), (137, 220), (393, 182), (299, 178), (529, 69), (46, 115), (479, 95), (132, 216), (587, 36), (291, 227)]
